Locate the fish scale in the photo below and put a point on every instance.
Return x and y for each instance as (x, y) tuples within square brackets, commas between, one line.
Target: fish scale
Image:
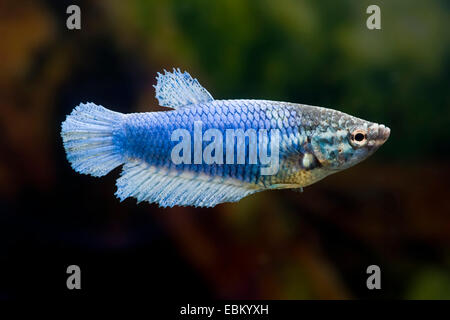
[(147, 135)]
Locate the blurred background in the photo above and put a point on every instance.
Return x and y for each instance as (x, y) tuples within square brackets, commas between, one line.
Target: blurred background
[(392, 210)]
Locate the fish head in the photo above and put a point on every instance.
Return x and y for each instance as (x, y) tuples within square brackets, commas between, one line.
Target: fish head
[(340, 141)]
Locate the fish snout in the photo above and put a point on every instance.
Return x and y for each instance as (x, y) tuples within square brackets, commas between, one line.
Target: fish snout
[(383, 133), (378, 134)]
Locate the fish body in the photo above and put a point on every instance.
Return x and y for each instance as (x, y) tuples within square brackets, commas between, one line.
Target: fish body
[(204, 151)]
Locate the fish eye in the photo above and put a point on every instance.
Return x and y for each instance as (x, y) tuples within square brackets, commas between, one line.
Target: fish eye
[(358, 138)]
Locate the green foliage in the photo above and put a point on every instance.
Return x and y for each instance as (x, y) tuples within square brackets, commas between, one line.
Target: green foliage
[(430, 283)]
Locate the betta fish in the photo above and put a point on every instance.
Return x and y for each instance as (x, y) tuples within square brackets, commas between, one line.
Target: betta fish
[(202, 151)]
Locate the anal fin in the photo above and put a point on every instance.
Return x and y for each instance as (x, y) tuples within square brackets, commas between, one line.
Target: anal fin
[(170, 187)]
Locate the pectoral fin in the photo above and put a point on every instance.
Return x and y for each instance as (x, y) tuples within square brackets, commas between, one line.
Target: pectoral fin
[(284, 186)]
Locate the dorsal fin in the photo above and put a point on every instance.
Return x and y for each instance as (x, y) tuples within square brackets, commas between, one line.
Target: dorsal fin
[(176, 89)]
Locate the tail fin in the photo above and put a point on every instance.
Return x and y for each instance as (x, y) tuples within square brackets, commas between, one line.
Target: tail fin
[(89, 135)]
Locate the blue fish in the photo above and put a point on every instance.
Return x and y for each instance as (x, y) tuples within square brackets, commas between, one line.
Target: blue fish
[(202, 151)]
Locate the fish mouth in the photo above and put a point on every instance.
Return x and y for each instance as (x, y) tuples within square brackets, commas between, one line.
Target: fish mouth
[(383, 133), (378, 135)]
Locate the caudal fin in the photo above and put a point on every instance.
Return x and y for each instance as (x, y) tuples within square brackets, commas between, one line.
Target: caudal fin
[(90, 137)]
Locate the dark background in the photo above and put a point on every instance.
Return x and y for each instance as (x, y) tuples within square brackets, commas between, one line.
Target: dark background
[(392, 210)]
